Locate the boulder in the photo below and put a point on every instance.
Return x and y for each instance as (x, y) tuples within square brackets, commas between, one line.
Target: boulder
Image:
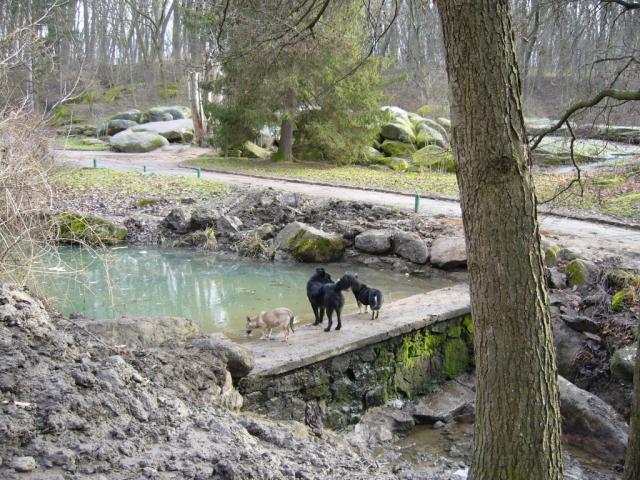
[(429, 136), (265, 138), (591, 424), (374, 241), (143, 332), (228, 224), (133, 115), (160, 114), (314, 245), (129, 141), (569, 348), (434, 158), (381, 425), (396, 112), (23, 464), (557, 279), (202, 218), (77, 228), (623, 363), (395, 148), (180, 130), (238, 359), (251, 150), (411, 247), (287, 234), (444, 122), (580, 323), (400, 132), (448, 401), (112, 127), (449, 252), (396, 163), (436, 126), (580, 272), (176, 221)]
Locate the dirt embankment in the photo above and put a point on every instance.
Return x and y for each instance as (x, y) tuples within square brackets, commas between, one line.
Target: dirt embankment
[(74, 406)]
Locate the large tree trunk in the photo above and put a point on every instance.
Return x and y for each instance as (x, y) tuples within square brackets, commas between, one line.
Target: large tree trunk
[(632, 465), (285, 146), (199, 118), (517, 430)]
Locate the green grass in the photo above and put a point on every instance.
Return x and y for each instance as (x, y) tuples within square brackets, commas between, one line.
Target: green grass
[(356, 176), (77, 143), (115, 181)]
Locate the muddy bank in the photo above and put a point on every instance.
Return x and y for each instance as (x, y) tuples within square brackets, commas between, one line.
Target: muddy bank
[(76, 406)]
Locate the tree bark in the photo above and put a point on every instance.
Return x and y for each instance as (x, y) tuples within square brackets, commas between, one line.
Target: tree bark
[(517, 429), (632, 464), (199, 118), (285, 146)]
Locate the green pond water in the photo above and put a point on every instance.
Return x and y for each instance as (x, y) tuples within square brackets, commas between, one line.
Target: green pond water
[(217, 291)]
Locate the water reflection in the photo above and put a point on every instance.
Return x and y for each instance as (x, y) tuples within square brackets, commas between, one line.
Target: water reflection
[(217, 291)]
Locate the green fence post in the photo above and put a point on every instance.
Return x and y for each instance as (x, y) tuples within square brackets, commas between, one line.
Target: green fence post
[(198, 172), (95, 163), (416, 206), (144, 169)]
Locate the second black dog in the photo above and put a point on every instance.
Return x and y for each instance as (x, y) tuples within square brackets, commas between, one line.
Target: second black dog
[(315, 294), (333, 300), (367, 296)]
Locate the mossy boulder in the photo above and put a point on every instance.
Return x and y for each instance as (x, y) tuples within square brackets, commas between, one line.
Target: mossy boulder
[(397, 149), (309, 244), (398, 131), (396, 112), (111, 127), (551, 255), (580, 272), (76, 228), (395, 163), (251, 150), (623, 362), (129, 141), (161, 114), (313, 245), (434, 157), (444, 122), (429, 136), (175, 131), (132, 114)]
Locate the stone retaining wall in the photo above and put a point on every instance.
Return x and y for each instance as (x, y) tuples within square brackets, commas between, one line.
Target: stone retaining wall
[(347, 384)]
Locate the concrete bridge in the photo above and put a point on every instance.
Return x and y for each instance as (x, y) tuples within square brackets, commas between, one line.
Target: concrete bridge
[(416, 342)]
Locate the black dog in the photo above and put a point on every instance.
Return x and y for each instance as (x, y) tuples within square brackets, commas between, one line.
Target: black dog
[(315, 295), (367, 296), (333, 300)]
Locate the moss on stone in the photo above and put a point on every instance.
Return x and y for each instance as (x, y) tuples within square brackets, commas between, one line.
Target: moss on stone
[(551, 255), (77, 228), (454, 332), (308, 247), (456, 357), (394, 148), (577, 272), (320, 391), (417, 346), (622, 299)]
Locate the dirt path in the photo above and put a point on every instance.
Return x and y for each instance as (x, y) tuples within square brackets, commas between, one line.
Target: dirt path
[(586, 238)]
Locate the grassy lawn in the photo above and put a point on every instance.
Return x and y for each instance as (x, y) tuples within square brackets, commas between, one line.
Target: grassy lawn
[(106, 181), (77, 143), (611, 191), (356, 176)]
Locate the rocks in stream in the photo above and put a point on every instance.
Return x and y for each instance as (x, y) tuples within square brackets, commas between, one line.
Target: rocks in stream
[(449, 252), (411, 247), (374, 241), (309, 244), (623, 363)]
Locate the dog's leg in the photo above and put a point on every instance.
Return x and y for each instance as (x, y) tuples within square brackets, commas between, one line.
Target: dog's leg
[(321, 317), (329, 315), (359, 306), (286, 335), (315, 315), (366, 307), (373, 314), (339, 326)]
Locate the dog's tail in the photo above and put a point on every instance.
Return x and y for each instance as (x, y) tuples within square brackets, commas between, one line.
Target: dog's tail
[(291, 319), (377, 301)]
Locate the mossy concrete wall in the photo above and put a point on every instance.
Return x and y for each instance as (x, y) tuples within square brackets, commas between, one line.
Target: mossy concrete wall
[(402, 364)]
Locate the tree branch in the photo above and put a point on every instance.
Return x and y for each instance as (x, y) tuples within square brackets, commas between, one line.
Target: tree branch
[(623, 95), (624, 4)]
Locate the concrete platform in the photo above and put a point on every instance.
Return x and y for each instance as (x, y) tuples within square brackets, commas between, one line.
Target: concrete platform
[(309, 344)]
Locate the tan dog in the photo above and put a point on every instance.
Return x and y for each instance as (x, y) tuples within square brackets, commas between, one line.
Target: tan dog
[(281, 318)]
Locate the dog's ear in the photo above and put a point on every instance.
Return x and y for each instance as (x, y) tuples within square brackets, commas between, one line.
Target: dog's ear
[(248, 319)]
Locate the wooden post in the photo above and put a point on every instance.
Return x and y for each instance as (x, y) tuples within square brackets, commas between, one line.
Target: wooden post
[(199, 119)]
